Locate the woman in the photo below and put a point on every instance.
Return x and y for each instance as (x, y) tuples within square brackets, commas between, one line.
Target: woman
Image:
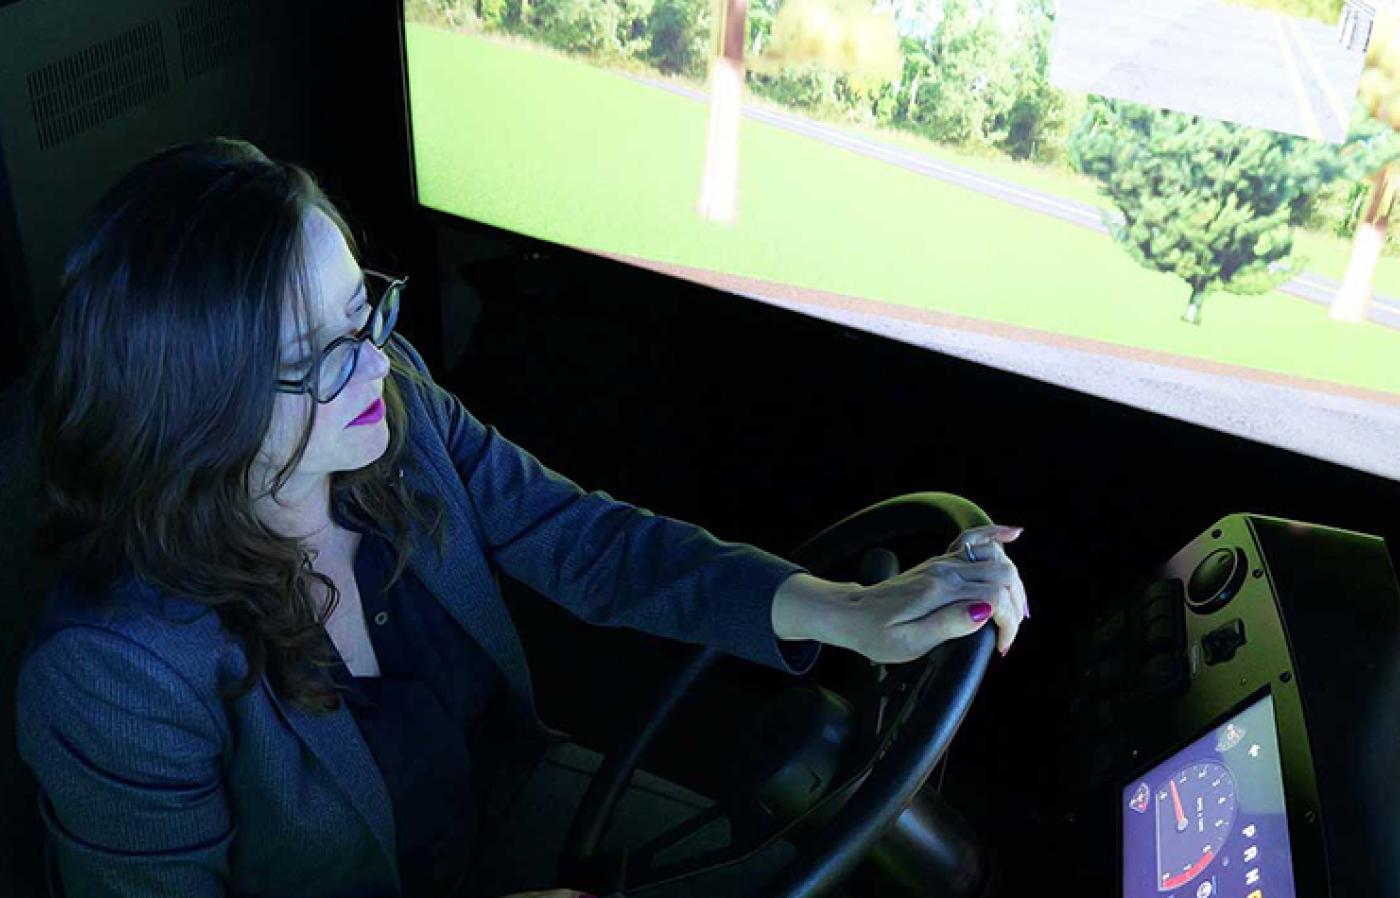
[(251, 675)]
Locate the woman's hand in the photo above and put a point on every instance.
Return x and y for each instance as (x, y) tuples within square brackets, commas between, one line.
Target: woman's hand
[(902, 618)]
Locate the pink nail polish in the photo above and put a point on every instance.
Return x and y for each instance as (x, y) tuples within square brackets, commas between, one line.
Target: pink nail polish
[(979, 611)]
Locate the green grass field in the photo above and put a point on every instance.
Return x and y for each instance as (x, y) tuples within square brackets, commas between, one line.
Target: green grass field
[(1324, 253), (553, 147)]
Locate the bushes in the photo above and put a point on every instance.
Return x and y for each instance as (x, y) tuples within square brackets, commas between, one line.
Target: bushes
[(441, 13), (673, 35), (809, 88), (588, 26), (679, 36), (492, 12), (1337, 209)]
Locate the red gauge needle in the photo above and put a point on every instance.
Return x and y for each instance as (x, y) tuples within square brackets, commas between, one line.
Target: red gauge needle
[(1180, 814)]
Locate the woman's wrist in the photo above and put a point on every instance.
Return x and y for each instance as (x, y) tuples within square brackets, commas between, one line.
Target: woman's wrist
[(808, 607)]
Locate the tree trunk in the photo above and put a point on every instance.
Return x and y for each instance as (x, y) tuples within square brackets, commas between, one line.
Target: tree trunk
[(1354, 295), (1193, 310), (913, 97), (719, 186)]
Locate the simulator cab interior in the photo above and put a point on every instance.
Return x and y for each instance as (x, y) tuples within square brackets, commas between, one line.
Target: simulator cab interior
[(1206, 701)]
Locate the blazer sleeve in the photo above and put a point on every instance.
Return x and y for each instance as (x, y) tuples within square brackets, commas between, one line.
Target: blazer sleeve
[(609, 562), (127, 759)]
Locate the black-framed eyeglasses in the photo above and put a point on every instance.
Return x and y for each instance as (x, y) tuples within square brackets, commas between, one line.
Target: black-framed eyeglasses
[(336, 366)]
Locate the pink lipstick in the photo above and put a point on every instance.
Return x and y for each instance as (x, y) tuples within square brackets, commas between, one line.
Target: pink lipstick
[(370, 415)]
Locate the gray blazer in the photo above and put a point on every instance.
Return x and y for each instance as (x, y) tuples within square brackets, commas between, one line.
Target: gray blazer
[(151, 785)]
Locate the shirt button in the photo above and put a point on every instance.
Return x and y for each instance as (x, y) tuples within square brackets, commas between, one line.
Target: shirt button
[(381, 618)]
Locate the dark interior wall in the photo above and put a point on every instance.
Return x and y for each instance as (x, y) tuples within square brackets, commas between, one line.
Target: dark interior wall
[(770, 423), (313, 82), (363, 161), (764, 426)]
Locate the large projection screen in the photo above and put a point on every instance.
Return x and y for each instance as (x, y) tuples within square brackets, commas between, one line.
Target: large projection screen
[(1177, 204)]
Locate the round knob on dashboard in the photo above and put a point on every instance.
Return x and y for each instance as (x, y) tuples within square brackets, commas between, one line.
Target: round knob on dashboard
[(1215, 580)]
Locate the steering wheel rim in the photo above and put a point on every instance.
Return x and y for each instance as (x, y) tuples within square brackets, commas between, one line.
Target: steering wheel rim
[(923, 726)]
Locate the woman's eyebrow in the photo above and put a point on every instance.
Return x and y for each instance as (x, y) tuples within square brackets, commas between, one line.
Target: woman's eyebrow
[(359, 291)]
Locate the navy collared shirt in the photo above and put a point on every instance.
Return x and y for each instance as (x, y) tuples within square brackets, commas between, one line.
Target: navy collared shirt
[(416, 718)]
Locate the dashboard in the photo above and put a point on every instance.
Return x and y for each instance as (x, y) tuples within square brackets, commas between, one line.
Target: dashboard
[(1234, 721)]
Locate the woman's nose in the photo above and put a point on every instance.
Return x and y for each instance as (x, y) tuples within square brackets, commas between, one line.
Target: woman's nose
[(374, 362)]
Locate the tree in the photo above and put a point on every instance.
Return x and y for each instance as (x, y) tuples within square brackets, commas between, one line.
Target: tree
[(1379, 94), (840, 35), (587, 26), (719, 185), (967, 90), (680, 32), (1038, 109), (1211, 202), (1353, 294)]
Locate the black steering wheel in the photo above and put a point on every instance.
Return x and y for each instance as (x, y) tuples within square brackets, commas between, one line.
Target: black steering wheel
[(921, 705)]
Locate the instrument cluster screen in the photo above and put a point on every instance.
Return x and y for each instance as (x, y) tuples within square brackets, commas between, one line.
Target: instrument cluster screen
[(1210, 821)]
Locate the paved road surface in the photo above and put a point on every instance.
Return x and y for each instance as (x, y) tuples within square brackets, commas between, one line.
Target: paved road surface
[(1210, 58)]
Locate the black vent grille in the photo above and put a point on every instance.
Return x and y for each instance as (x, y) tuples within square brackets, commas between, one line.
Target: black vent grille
[(213, 32), (97, 84)]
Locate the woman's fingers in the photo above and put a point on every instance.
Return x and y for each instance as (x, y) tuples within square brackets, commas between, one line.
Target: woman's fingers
[(994, 570), (933, 602), (939, 584), (995, 567), (1007, 596), (972, 608), (1007, 615), (1000, 571), (991, 533), (949, 622), (959, 619)]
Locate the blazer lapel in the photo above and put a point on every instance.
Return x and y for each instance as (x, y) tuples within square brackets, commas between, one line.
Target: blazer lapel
[(464, 584), (336, 742)]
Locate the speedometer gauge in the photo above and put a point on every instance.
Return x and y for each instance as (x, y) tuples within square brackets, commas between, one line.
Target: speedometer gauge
[(1195, 811)]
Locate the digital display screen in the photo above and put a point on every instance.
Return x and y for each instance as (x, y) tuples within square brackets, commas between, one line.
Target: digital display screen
[(1210, 821)]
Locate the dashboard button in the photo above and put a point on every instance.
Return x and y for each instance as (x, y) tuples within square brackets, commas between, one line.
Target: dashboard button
[(1221, 643)]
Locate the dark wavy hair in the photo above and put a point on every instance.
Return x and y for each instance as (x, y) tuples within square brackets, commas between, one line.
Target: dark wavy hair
[(153, 391)]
